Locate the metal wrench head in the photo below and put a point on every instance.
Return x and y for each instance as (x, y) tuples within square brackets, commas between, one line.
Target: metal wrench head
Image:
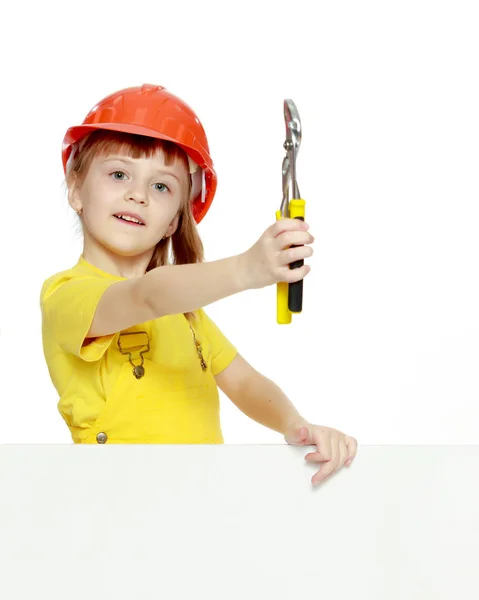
[(293, 125), (293, 140), (286, 171)]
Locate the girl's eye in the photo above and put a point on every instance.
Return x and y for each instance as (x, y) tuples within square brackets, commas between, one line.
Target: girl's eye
[(120, 174), (161, 187)]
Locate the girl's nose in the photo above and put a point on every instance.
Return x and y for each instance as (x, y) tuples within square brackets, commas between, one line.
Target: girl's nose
[(137, 195)]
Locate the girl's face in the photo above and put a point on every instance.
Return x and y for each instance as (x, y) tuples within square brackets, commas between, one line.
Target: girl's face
[(129, 204)]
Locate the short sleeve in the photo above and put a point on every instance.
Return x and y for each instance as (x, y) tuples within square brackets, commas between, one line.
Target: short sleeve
[(68, 305), (222, 350)]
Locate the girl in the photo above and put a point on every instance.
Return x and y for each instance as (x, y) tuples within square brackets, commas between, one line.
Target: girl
[(129, 347)]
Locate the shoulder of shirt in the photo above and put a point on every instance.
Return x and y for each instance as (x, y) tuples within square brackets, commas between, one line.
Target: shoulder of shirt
[(79, 271)]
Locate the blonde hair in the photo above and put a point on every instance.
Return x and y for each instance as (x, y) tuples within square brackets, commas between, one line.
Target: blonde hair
[(186, 245)]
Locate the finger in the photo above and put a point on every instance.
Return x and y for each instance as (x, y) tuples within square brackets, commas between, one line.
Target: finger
[(331, 466), (293, 238), (299, 436), (352, 446), (286, 257), (313, 457), (335, 451), (282, 225), (322, 441), (291, 275), (326, 470), (343, 453)]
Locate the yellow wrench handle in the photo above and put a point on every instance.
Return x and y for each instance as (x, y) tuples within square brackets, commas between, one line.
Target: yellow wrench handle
[(283, 314)]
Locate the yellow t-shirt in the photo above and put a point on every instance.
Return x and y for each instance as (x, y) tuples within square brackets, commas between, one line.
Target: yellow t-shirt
[(176, 401)]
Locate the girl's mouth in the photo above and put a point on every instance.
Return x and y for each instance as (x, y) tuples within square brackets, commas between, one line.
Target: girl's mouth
[(130, 219)]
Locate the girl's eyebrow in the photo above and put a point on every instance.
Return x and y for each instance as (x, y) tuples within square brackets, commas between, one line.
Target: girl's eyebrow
[(129, 161)]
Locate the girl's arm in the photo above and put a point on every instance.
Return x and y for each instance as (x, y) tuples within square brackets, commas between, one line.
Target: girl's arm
[(258, 397), (177, 289), (164, 291), (262, 400)]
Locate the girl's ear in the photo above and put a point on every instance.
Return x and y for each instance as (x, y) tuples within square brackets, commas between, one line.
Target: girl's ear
[(173, 226), (74, 197)]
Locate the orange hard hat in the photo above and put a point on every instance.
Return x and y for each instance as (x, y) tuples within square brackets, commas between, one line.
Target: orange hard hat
[(152, 111)]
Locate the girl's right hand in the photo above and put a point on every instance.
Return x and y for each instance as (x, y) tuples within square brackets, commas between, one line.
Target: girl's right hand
[(267, 261)]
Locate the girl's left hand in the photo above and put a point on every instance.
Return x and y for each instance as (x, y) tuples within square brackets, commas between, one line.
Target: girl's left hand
[(334, 449)]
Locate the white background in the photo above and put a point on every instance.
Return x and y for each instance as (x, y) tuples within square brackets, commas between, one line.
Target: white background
[(387, 346)]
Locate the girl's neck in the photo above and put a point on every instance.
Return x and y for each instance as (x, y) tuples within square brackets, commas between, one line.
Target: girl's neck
[(115, 264)]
